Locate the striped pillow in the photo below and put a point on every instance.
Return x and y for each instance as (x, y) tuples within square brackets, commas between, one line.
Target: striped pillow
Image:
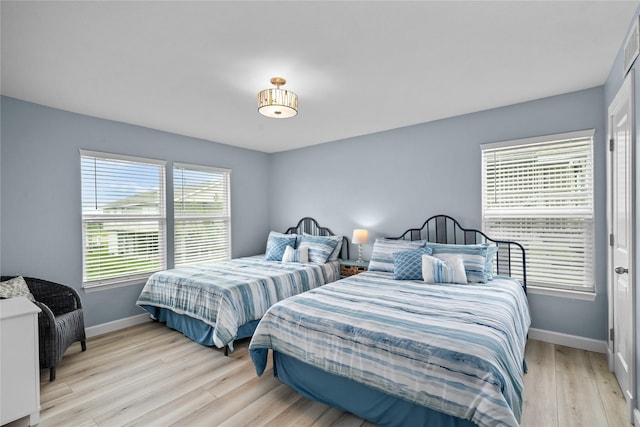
[(319, 247), (435, 270), (492, 250), (276, 245), (383, 250), (474, 258), (336, 252), (300, 255)]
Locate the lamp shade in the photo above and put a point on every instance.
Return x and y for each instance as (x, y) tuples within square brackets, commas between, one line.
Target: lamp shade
[(360, 237), (277, 103)]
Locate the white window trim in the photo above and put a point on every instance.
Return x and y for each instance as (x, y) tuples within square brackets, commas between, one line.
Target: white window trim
[(115, 156), (562, 293), (225, 218), (588, 293), (104, 284)]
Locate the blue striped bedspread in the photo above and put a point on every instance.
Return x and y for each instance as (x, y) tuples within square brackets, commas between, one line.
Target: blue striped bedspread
[(229, 294), (457, 349)]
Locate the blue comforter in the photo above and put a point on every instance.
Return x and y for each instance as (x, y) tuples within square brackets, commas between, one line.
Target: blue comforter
[(457, 349), (229, 294)]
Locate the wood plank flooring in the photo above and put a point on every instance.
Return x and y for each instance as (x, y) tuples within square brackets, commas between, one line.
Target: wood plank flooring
[(149, 375)]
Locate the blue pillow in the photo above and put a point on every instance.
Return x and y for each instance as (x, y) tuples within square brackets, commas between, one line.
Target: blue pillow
[(383, 250), (320, 247), (335, 254), (407, 265), (474, 258), (276, 245), (492, 250)]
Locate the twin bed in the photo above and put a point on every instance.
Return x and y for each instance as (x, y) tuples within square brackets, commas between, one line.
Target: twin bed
[(383, 344), (217, 303)]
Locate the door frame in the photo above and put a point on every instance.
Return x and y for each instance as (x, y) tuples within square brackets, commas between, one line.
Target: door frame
[(628, 86)]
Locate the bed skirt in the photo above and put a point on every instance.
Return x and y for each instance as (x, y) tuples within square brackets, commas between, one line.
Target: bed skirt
[(194, 329), (373, 405)]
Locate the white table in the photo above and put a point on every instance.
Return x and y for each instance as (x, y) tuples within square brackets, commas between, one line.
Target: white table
[(19, 364)]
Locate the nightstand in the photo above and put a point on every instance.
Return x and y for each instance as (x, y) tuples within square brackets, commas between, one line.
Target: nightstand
[(349, 267)]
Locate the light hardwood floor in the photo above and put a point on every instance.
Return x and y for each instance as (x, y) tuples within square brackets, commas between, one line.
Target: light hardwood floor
[(149, 375)]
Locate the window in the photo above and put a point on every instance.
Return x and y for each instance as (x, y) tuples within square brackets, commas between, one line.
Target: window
[(123, 218), (202, 214), (539, 192)]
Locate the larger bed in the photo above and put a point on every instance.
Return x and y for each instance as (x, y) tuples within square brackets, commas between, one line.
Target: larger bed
[(219, 302), (406, 352)]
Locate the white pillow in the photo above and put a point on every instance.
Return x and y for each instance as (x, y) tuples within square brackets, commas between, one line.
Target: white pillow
[(16, 287), (449, 270), (300, 255)]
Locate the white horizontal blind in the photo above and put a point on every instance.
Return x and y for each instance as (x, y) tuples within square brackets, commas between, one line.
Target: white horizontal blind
[(123, 218), (202, 214), (540, 194)]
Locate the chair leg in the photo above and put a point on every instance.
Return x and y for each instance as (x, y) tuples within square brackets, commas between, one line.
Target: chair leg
[(52, 374), (83, 343)]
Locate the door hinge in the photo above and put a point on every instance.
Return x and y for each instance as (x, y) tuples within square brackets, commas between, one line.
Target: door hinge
[(610, 239), (612, 334), (611, 144)]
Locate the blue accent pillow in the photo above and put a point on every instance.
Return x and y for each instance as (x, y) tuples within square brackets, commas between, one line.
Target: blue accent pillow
[(474, 258), (383, 250), (492, 250), (336, 252), (276, 245), (408, 265), (319, 247)]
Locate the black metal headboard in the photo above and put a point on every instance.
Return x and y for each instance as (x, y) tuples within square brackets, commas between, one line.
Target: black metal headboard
[(509, 261), (310, 226)]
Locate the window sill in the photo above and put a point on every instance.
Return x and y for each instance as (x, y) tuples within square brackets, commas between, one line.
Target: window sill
[(562, 293), (112, 285)]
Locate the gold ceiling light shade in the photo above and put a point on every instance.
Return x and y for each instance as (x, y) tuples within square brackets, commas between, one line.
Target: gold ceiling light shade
[(277, 103)]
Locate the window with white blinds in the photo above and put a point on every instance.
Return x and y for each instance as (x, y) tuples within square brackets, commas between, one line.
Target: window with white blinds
[(539, 192), (123, 218), (202, 214)]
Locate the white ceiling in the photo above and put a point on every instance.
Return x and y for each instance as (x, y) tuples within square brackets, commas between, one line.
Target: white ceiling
[(194, 68)]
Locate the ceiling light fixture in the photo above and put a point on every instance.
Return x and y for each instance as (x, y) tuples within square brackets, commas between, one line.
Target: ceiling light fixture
[(277, 103)]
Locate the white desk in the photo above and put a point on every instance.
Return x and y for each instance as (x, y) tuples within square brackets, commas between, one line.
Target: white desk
[(19, 361)]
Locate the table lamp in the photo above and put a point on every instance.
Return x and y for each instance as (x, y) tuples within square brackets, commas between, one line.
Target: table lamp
[(360, 237)]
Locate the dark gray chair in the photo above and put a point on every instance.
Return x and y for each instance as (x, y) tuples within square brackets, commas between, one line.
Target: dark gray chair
[(61, 322)]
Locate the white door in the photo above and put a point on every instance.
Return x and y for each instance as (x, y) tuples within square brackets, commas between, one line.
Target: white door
[(621, 286)]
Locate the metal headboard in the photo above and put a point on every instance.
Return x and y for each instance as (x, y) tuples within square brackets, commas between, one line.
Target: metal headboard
[(510, 259), (310, 226)]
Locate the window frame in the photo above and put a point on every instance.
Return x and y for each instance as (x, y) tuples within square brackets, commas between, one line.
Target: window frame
[(160, 218), (177, 218), (587, 290)]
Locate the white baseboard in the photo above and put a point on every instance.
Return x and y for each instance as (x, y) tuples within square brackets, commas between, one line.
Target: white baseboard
[(115, 325), (597, 346)]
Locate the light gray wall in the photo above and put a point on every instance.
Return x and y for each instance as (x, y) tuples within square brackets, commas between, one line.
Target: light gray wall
[(385, 182), (390, 181), (40, 187)]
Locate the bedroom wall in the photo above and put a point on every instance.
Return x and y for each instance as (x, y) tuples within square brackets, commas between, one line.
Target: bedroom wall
[(390, 181), (40, 185)]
